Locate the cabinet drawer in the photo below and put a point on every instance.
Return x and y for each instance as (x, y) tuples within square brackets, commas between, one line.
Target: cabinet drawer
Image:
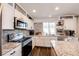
[(7, 16), (14, 52)]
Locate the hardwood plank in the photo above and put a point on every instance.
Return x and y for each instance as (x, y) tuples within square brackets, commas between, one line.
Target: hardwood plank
[(43, 51), (49, 51), (53, 53), (35, 51)]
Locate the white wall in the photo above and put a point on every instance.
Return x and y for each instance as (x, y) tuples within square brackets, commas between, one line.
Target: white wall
[(78, 26)]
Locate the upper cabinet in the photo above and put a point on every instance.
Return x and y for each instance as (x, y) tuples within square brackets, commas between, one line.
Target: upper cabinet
[(22, 15), (31, 25), (69, 22), (20, 12), (9, 11), (8, 16)]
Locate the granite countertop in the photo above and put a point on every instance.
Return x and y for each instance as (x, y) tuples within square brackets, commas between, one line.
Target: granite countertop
[(66, 48), (43, 36), (8, 47)]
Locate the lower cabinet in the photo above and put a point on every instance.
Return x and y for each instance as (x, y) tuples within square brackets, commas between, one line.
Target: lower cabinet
[(15, 52), (42, 41), (33, 42)]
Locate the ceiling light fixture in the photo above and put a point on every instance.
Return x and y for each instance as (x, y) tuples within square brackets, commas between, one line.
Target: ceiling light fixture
[(56, 8), (34, 11)]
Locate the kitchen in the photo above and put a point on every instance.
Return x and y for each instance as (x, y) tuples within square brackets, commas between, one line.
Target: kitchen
[(26, 31)]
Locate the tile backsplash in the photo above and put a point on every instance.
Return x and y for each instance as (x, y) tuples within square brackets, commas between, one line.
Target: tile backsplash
[(6, 32)]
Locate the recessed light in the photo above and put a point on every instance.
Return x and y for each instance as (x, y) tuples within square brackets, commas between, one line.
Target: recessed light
[(56, 8), (34, 11)]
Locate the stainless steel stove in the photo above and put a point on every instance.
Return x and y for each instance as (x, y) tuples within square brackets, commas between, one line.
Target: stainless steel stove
[(25, 41)]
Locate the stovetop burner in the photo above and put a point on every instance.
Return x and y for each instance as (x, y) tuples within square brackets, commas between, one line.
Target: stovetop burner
[(21, 40)]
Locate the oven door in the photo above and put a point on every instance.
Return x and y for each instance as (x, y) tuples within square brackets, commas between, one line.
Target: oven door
[(27, 49)]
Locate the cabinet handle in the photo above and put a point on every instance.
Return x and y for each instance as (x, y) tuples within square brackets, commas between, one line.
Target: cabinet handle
[(12, 53)]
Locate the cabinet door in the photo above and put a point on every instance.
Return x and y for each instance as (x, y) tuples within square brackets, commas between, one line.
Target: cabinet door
[(14, 52), (70, 24), (47, 42), (7, 17), (42, 41), (18, 51), (30, 24)]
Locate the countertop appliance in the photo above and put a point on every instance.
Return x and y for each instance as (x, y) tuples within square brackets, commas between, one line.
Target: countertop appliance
[(19, 23), (25, 41), (31, 32)]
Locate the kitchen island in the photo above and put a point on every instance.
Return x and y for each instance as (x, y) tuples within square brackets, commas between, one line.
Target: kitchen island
[(66, 48), (42, 41)]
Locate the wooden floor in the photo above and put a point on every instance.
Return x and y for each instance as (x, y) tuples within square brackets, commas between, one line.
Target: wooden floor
[(43, 51)]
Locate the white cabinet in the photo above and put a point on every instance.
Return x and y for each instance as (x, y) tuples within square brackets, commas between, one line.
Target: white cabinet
[(33, 42), (20, 15), (24, 18), (15, 52), (7, 16), (42, 41), (70, 24), (30, 24)]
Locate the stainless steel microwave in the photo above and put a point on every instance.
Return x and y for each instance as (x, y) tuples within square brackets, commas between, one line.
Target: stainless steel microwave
[(19, 24)]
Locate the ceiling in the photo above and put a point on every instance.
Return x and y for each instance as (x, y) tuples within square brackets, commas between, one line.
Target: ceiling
[(43, 10)]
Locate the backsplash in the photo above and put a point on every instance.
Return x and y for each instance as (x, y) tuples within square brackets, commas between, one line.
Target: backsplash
[(4, 35), (6, 32), (25, 32)]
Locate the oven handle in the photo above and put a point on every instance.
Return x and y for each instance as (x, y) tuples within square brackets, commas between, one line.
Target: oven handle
[(26, 42)]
